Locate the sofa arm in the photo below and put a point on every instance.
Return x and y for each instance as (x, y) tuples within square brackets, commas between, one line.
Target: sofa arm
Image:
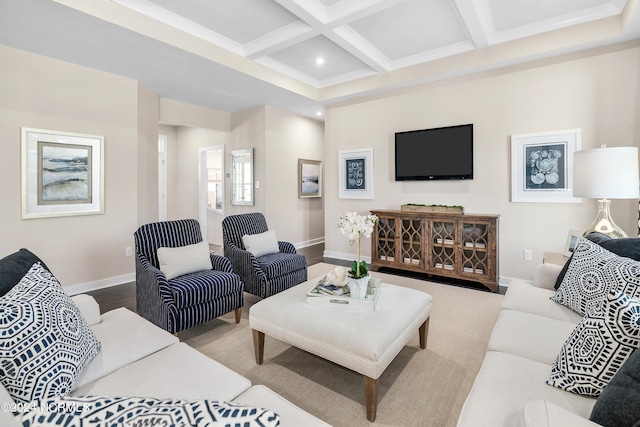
[(545, 275), (220, 263), (541, 413), (88, 307), (286, 247)]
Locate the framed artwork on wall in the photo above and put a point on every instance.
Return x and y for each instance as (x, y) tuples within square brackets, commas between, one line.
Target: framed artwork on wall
[(355, 174), (62, 173), (542, 166), (309, 178)]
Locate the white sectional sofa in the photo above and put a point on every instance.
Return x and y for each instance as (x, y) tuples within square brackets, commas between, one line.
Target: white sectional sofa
[(140, 359), (510, 389)]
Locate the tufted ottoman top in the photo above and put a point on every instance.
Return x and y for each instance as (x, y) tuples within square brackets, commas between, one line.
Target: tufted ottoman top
[(363, 341)]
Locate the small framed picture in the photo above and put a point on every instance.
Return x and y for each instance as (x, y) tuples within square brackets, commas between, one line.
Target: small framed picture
[(355, 174), (572, 242), (309, 178)]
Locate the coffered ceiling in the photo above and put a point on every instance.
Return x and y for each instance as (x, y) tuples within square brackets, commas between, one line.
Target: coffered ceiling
[(302, 55)]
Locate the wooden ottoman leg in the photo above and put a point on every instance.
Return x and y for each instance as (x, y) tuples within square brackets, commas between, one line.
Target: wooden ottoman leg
[(258, 345), (371, 397), (423, 332), (238, 314)]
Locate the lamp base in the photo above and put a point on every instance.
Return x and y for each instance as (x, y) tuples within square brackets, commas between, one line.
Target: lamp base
[(603, 223)]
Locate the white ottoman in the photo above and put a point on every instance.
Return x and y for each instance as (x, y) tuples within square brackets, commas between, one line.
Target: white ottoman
[(363, 341)]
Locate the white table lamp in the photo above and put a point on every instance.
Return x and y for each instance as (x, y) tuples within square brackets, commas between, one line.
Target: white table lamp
[(606, 173)]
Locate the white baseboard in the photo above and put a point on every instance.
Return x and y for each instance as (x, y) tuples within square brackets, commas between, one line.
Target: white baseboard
[(308, 243), (100, 284)]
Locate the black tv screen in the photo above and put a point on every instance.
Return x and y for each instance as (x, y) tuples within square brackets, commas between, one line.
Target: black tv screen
[(438, 153)]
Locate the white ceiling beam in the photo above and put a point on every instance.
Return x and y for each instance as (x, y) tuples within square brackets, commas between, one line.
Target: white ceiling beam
[(284, 37), (347, 11), (476, 18), (358, 46), (310, 11)]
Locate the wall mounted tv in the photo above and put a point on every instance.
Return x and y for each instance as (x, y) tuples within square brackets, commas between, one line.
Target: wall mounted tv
[(438, 153)]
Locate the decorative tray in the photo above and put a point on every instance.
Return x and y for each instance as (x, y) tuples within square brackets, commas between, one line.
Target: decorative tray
[(320, 295)]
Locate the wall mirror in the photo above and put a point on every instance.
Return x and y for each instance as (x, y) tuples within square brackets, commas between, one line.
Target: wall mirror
[(242, 177)]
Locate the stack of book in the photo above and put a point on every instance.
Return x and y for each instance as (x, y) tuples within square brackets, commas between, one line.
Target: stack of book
[(331, 289)]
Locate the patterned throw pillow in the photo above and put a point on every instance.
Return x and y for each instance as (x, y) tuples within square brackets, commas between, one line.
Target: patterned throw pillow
[(137, 411), (592, 273), (45, 340), (598, 346)]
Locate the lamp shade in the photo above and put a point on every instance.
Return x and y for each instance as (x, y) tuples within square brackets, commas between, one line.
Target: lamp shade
[(606, 173)]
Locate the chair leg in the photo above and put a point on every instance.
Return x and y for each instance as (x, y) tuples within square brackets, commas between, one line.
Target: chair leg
[(238, 314)]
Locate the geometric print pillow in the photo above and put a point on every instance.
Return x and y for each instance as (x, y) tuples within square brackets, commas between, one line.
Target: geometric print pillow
[(137, 411), (592, 273), (45, 340), (598, 346)]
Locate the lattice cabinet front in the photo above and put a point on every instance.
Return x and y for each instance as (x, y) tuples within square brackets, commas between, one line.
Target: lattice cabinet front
[(460, 246)]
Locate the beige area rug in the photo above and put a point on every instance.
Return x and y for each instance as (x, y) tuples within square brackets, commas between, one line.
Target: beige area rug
[(419, 388)]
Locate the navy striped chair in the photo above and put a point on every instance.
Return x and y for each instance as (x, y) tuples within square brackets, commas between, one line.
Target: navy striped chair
[(265, 275), (187, 300)]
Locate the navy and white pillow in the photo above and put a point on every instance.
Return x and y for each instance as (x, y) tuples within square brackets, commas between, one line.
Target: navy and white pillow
[(592, 273), (45, 340), (598, 346), (138, 411)]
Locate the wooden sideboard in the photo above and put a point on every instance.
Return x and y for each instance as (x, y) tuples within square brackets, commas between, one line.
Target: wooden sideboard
[(459, 246)]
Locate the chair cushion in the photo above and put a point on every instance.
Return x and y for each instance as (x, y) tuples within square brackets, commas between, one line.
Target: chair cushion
[(203, 286), (46, 342), (261, 243), (276, 265), (187, 259)]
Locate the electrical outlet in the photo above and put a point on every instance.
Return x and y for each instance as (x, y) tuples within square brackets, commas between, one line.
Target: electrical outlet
[(128, 251), (527, 255)]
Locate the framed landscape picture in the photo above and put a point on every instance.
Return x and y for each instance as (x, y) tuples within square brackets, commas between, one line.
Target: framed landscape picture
[(62, 173), (355, 174), (309, 178), (542, 166)]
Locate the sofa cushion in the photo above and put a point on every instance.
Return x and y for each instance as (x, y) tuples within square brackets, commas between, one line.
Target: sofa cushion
[(178, 371), (142, 411), (626, 247), (46, 342), (619, 403), (522, 296), (504, 386), (592, 273), (542, 413), (13, 268), (529, 335), (261, 243), (125, 337), (598, 346), (187, 259)]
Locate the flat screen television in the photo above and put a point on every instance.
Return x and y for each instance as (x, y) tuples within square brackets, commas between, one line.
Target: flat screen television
[(438, 153)]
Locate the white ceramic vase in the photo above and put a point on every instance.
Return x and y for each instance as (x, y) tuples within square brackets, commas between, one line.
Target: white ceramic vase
[(358, 287)]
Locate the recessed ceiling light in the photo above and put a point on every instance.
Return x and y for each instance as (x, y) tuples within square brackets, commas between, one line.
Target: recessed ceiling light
[(318, 113), (319, 60)]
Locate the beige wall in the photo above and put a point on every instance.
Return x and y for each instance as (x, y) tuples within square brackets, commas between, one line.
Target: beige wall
[(597, 93), (43, 93), (290, 137)]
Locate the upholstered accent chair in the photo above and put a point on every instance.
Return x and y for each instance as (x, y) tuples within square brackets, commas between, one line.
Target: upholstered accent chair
[(267, 274), (189, 299)]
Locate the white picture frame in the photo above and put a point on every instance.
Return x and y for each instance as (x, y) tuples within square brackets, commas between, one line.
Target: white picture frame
[(355, 174), (62, 173), (572, 241), (309, 178), (542, 166)]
